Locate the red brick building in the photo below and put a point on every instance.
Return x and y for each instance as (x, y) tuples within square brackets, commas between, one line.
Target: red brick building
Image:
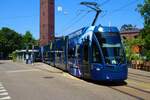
[(47, 21), (130, 34)]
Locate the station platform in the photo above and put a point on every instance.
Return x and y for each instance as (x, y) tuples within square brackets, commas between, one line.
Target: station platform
[(47, 67)]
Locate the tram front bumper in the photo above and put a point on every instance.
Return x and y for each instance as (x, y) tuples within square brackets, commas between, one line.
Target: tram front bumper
[(106, 74)]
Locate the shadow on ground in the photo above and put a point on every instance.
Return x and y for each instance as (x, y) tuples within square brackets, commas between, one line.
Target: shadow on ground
[(1, 63), (107, 83), (48, 77)]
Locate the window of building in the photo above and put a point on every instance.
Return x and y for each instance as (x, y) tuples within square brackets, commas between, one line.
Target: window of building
[(135, 36), (124, 38)]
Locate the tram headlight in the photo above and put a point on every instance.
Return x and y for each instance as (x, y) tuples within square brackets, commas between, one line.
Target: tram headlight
[(107, 77), (98, 69), (100, 29)]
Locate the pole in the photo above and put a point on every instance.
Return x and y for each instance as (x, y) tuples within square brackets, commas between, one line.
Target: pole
[(27, 55), (32, 55), (94, 6), (96, 17)]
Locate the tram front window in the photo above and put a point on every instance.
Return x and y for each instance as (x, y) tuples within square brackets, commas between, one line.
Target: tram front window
[(111, 48), (113, 53)]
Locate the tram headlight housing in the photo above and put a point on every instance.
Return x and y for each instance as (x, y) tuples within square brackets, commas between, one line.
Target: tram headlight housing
[(100, 29), (98, 69)]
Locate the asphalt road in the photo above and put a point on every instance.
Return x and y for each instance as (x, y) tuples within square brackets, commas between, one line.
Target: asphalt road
[(27, 82)]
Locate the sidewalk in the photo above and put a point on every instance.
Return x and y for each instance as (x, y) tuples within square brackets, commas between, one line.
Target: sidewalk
[(46, 67)]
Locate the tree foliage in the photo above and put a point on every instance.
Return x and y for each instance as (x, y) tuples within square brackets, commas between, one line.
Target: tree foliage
[(27, 38), (10, 41), (127, 27), (144, 10), (144, 38), (129, 45)]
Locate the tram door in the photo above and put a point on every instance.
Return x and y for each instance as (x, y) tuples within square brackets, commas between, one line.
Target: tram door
[(59, 59), (85, 65)]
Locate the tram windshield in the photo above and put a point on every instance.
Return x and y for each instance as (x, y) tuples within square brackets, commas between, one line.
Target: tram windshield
[(111, 46)]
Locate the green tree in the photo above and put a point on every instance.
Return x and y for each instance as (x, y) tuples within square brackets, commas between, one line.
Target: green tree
[(127, 27), (28, 40), (128, 47), (131, 42), (144, 10), (9, 41)]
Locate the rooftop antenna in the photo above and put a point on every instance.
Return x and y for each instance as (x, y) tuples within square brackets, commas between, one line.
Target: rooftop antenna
[(94, 6)]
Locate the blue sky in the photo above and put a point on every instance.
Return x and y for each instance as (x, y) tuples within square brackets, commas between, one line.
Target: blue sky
[(23, 15)]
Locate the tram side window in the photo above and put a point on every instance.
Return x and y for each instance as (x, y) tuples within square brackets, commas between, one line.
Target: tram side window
[(71, 53), (96, 53), (85, 55), (78, 52)]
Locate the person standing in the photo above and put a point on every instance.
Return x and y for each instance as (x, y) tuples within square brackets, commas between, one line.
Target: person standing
[(27, 58)]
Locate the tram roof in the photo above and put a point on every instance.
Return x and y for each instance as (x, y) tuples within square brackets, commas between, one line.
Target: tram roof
[(98, 28), (106, 29)]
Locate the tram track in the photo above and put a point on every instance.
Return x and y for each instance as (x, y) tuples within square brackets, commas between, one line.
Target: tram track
[(136, 75), (132, 91), (138, 79), (127, 93), (139, 75), (138, 86), (138, 89)]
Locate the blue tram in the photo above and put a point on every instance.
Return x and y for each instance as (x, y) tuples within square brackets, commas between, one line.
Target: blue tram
[(94, 52)]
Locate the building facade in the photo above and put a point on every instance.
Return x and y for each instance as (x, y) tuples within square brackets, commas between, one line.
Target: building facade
[(130, 34), (47, 21)]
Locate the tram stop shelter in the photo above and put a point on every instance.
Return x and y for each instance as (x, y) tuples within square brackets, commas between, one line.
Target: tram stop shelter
[(26, 56)]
